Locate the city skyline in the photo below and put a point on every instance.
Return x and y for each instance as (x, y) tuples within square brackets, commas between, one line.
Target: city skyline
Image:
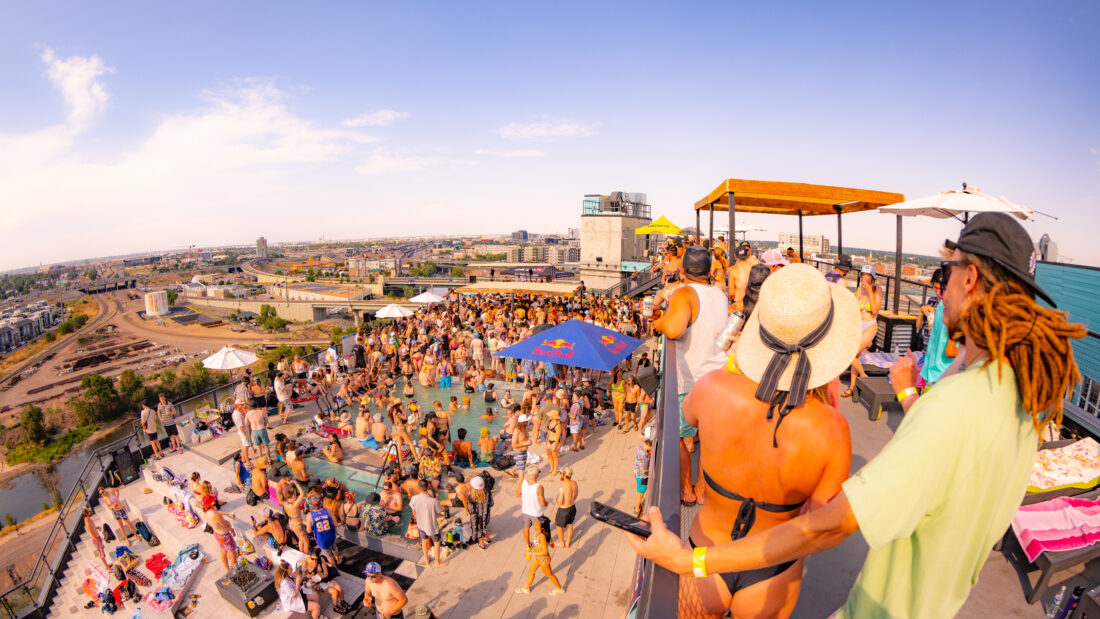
[(119, 136)]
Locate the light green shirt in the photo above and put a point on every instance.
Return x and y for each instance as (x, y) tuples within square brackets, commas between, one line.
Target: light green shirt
[(939, 495)]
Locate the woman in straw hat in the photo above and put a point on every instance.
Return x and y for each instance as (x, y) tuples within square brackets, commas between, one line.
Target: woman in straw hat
[(792, 446)]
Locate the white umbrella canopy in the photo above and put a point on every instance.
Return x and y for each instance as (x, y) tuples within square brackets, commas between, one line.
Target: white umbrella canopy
[(427, 297), (229, 358), (393, 310), (958, 202)]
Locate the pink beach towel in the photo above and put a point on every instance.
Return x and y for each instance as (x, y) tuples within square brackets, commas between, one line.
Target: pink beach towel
[(1063, 523)]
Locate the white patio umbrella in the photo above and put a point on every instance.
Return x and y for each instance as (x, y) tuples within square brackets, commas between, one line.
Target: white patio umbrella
[(953, 203), (229, 358), (393, 310), (427, 297), (944, 205)]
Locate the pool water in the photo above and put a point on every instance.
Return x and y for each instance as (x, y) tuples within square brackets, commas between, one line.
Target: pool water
[(469, 419)]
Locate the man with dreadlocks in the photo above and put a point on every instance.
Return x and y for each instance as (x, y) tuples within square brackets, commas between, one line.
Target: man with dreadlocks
[(932, 503)]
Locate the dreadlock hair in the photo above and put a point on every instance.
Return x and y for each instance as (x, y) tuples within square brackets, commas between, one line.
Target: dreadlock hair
[(1006, 321)]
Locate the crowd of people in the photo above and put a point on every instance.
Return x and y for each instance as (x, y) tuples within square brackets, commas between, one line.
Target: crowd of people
[(775, 455)]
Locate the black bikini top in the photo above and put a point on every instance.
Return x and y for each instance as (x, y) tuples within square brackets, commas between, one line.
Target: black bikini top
[(746, 516)]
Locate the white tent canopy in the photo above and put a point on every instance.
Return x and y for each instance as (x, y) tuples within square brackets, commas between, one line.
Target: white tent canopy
[(229, 358), (427, 297), (958, 202), (393, 310)]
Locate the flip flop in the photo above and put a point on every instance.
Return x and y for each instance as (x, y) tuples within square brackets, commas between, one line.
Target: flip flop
[(684, 503)]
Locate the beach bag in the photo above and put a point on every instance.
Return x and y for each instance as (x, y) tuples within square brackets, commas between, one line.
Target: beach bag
[(108, 534), (489, 481), (89, 588), (503, 462), (143, 530), (251, 498), (413, 531)]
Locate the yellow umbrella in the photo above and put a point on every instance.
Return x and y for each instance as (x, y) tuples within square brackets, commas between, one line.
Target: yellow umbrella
[(661, 226)]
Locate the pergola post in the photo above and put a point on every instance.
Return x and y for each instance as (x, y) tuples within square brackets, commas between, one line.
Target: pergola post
[(697, 225), (897, 269), (839, 231), (800, 255), (733, 221), (711, 235)]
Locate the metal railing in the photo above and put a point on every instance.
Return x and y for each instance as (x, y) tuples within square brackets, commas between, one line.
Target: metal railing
[(636, 280), (1082, 406), (657, 590), (910, 289), (35, 593)]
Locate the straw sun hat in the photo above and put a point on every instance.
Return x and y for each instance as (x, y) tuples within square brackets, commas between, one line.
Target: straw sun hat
[(794, 302)]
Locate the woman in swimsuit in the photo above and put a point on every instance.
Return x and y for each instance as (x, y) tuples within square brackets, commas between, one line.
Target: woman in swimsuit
[(772, 449), (870, 299), (540, 558), (630, 405)]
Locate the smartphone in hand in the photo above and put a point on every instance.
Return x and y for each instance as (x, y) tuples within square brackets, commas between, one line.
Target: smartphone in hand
[(619, 519)]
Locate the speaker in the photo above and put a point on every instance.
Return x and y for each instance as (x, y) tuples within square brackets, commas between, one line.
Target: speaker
[(125, 465), (473, 279)]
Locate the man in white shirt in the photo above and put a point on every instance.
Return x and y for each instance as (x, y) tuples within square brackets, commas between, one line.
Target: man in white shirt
[(242, 428)]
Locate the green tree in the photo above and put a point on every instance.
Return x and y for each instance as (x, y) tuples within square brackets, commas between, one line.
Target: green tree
[(92, 274), (172, 295), (311, 275), (98, 402), (371, 278), (457, 272), (131, 388), (50, 336), (34, 425), (8, 518)]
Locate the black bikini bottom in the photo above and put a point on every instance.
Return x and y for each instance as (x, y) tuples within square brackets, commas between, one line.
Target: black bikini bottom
[(735, 581)]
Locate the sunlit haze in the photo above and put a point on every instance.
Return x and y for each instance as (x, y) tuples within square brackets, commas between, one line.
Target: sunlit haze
[(154, 126)]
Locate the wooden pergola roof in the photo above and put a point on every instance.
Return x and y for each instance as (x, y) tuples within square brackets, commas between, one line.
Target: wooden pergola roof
[(778, 198)]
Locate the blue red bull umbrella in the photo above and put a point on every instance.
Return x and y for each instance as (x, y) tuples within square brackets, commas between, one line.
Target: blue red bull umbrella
[(575, 343)]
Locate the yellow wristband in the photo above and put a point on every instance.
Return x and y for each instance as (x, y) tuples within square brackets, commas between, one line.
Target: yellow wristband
[(698, 561), (905, 393)]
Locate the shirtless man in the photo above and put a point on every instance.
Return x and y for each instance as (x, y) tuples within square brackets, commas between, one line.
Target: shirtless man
[(383, 594), (223, 531), (520, 444), (362, 424), (391, 498), (739, 273), (567, 506), (462, 449), (110, 499), (458, 496), (379, 430), (269, 531), (256, 419)]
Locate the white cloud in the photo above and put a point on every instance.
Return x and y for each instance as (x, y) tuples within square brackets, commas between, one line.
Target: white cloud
[(227, 166), (547, 129), (530, 152), (78, 80), (384, 161), (380, 118)]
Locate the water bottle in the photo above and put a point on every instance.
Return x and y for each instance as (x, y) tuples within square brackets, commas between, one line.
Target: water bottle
[(1056, 606), (728, 332), (1071, 604), (647, 307)]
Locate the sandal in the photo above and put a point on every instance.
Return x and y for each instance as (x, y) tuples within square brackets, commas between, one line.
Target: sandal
[(557, 591), (523, 590), (846, 394)]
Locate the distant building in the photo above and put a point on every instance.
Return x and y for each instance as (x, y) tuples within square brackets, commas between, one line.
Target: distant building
[(610, 251), (811, 243), (261, 247), (563, 254), (361, 267), (534, 253), (193, 289), (519, 235), (515, 254), (309, 291), (574, 233)]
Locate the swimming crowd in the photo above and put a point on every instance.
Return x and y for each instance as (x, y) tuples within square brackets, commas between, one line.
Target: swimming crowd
[(369, 396)]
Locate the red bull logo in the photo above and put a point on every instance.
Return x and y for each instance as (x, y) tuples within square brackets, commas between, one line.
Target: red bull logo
[(614, 346), (558, 349), (558, 344)]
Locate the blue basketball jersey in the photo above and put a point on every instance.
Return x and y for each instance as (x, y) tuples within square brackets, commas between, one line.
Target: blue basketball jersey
[(324, 530)]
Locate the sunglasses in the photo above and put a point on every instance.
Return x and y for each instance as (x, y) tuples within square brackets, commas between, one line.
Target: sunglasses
[(945, 271)]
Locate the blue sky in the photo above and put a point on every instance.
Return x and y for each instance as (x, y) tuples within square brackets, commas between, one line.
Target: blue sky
[(134, 126)]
